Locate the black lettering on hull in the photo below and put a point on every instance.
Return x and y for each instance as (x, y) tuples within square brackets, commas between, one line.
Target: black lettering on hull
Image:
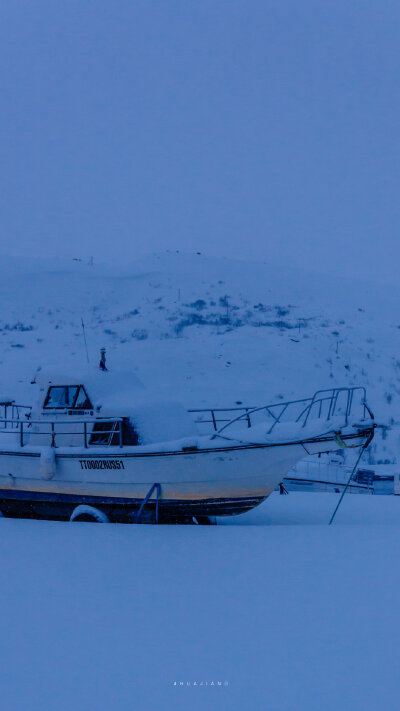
[(102, 464)]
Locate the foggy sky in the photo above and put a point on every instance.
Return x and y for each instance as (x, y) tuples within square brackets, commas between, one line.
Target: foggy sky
[(267, 130)]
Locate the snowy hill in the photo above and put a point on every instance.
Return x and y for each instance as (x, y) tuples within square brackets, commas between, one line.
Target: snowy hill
[(209, 331)]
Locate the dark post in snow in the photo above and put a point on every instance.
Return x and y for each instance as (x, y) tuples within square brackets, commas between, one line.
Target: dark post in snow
[(102, 364)]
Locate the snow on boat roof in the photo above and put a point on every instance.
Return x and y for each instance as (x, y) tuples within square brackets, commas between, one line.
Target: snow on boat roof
[(111, 389), (121, 394)]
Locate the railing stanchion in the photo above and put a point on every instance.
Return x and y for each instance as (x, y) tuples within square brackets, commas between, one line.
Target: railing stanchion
[(332, 404), (21, 433)]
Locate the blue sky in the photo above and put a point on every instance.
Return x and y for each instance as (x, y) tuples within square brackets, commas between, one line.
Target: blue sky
[(267, 130)]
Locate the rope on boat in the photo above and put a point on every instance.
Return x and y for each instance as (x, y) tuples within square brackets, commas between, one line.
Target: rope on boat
[(343, 444)]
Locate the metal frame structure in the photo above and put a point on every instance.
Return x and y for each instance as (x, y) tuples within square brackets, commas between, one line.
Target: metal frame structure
[(325, 403), (52, 428), (157, 488), (16, 410)]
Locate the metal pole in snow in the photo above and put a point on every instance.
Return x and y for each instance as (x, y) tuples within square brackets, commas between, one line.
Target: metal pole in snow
[(347, 485), (84, 338)]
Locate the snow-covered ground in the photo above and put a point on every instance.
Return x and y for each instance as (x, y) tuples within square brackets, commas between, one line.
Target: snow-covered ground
[(271, 610), (296, 616)]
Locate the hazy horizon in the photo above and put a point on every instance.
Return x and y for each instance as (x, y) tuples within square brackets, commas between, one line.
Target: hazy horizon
[(245, 129)]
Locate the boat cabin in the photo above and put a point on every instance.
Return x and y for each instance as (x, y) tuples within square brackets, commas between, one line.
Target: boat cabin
[(102, 408)]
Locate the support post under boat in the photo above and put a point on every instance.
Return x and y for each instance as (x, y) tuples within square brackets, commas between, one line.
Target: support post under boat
[(156, 487)]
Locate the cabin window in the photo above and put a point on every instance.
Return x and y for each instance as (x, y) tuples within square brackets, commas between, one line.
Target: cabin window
[(82, 401), (62, 397), (107, 432)]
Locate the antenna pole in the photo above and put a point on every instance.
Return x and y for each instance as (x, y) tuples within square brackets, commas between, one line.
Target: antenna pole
[(84, 338)]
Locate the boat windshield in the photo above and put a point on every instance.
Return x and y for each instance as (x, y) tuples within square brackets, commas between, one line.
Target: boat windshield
[(67, 396)]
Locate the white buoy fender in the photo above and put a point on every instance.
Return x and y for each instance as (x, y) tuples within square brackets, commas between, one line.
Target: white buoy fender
[(86, 513), (47, 465)]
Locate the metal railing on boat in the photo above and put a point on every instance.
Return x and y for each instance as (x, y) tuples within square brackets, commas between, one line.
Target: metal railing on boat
[(102, 432), (10, 411), (324, 404)]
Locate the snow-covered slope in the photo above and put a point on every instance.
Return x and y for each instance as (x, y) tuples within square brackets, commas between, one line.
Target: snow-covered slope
[(207, 331)]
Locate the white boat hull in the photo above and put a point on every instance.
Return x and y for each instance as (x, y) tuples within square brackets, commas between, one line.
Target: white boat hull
[(221, 479)]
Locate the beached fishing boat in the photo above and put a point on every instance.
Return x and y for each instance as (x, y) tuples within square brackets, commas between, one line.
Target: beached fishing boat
[(96, 445)]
